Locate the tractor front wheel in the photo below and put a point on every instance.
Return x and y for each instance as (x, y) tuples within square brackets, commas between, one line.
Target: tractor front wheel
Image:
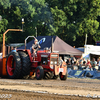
[(39, 73), (63, 77)]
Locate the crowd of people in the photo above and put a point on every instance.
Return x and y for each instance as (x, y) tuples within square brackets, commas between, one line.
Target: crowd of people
[(82, 64)]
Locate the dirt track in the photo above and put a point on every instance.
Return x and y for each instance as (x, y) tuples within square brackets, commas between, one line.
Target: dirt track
[(32, 89)]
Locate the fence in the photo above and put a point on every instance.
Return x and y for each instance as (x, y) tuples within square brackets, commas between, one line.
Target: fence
[(83, 73)]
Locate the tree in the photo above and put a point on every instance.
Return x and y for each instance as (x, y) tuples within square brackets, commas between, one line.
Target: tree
[(60, 21), (87, 22), (3, 23), (71, 20), (35, 13), (81, 18)]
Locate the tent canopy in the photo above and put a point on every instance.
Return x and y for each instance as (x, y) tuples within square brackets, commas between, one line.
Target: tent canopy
[(58, 45), (95, 53)]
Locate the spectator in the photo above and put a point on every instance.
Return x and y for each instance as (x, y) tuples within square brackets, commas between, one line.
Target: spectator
[(80, 59), (93, 63), (80, 65), (75, 67), (88, 64), (72, 59), (69, 62), (60, 60), (84, 61), (77, 62), (84, 65), (99, 64)]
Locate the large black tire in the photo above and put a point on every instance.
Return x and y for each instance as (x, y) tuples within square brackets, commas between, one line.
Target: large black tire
[(13, 65), (48, 75), (62, 77), (39, 73), (25, 64)]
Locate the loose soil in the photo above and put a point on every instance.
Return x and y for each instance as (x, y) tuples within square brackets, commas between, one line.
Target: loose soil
[(32, 89)]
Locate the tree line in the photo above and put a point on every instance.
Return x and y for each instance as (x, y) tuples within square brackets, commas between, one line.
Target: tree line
[(71, 20)]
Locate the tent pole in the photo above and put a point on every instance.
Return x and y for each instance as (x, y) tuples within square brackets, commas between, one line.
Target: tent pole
[(52, 44)]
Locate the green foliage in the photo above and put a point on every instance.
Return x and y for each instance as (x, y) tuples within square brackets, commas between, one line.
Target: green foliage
[(35, 13), (5, 3), (3, 23), (59, 20), (71, 20), (81, 19)]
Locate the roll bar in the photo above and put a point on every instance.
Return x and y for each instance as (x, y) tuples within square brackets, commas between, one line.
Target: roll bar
[(27, 39)]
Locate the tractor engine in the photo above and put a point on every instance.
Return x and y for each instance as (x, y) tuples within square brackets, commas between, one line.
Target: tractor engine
[(47, 66)]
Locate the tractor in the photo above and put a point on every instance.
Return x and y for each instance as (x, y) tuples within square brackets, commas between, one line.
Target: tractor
[(45, 64)]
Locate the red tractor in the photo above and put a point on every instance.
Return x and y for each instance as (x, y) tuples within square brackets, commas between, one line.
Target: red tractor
[(45, 64)]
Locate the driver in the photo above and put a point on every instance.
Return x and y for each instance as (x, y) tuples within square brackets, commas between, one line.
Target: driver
[(35, 47)]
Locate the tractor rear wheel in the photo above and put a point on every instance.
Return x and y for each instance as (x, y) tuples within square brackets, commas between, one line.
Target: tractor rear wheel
[(25, 64), (13, 65), (39, 73), (63, 77)]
